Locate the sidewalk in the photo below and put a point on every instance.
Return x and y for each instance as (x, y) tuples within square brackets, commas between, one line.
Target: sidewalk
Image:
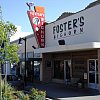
[(82, 98), (57, 91)]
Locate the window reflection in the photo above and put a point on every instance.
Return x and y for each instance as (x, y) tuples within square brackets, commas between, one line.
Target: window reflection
[(91, 66)]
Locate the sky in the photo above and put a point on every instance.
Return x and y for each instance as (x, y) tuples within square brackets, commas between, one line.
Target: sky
[(15, 11)]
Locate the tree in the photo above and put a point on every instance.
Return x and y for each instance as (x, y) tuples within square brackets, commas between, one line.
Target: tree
[(8, 51)]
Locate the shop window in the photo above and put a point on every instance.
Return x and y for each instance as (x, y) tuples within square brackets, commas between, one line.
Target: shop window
[(23, 55), (30, 55), (13, 69), (79, 67), (22, 68), (36, 70)]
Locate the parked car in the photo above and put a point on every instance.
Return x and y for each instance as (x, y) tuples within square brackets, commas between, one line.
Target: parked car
[(14, 81)]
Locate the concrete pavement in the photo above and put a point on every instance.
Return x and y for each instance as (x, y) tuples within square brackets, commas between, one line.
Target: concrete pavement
[(57, 91), (81, 98)]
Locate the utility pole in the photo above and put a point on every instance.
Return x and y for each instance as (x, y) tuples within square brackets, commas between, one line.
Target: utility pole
[(25, 76)]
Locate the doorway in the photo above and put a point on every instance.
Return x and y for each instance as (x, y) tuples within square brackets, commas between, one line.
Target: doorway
[(93, 73), (37, 70), (67, 71), (59, 69)]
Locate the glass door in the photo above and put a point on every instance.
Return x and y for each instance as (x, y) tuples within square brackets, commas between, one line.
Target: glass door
[(67, 71), (59, 69), (93, 73)]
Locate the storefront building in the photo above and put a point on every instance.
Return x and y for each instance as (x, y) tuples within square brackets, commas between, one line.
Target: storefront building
[(72, 49)]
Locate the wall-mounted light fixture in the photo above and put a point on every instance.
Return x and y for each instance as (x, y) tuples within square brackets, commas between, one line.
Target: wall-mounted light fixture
[(61, 42), (33, 47)]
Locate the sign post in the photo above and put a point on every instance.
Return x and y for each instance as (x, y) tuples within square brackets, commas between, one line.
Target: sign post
[(37, 20)]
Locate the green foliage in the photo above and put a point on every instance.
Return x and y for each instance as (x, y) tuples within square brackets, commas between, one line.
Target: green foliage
[(11, 93), (22, 96), (37, 94), (8, 51)]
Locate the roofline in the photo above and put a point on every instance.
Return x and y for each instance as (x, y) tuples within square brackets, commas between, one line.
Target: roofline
[(66, 48), (28, 36), (73, 14)]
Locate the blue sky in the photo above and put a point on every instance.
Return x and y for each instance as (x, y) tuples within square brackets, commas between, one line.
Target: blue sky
[(15, 11)]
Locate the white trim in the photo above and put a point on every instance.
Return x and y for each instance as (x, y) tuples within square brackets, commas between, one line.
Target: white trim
[(63, 48), (41, 71), (93, 85), (65, 69)]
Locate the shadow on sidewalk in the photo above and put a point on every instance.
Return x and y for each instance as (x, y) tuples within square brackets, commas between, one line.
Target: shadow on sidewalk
[(57, 90)]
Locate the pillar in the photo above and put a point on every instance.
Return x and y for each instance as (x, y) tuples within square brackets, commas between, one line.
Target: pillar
[(99, 69)]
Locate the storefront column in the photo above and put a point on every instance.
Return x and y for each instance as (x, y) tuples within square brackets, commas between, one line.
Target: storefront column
[(41, 71), (99, 68)]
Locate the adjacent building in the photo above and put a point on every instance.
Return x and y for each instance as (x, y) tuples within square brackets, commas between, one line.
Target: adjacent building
[(32, 59)]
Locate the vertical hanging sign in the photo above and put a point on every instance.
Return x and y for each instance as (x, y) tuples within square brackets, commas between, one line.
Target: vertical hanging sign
[(37, 20)]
